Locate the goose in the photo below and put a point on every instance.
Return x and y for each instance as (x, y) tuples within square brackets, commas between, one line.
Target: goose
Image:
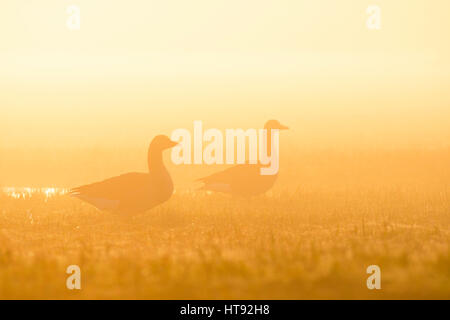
[(244, 180), (133, 192)]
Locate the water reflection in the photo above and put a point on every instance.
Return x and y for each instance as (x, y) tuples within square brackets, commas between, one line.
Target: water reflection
[(27, 192)]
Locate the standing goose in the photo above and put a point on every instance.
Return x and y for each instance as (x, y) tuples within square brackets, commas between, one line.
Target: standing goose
[(133, 192), (245, 179)]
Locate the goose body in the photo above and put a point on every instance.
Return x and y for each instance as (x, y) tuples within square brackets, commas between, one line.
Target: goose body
[(133, 192), (241, 180), (246, 179)]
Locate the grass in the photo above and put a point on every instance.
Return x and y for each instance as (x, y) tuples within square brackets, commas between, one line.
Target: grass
[(311, 241)]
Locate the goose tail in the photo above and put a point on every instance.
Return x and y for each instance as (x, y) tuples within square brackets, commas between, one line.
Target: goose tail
[(74, 192)]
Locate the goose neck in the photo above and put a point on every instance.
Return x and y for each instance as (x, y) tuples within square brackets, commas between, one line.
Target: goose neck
[(269, 142), (155, 159)]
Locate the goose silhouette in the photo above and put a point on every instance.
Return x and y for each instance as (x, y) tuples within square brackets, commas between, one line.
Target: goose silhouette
[(133, 192), (245, 179)]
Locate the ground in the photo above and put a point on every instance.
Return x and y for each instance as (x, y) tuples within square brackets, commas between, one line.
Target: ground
[(305, 244)]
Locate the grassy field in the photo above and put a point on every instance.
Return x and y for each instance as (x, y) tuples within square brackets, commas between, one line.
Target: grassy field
[(313, 239)]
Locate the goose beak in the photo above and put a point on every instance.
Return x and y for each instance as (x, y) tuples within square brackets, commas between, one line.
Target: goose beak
[(172, 144), (283, 127)]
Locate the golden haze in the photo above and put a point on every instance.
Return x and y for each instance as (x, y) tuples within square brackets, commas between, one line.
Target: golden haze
[(364, 169)]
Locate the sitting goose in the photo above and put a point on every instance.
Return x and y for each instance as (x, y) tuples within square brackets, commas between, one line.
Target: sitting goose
[(245, 179), (133, 192)]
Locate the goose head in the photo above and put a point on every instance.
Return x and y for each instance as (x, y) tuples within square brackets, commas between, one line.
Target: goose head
[(155, 151), (274, 124), (161, 143)]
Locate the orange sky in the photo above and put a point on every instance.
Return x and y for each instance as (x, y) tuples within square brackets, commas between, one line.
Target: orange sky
[(139, 68)]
